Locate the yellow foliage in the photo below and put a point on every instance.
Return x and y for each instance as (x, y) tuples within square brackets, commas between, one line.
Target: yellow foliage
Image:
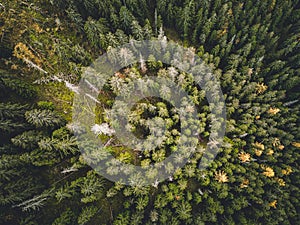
[(221, 176), (14, 67), (259, 146), (281, 147), (276, 142), (281, 182), (273, 204), (287, 171), (296, 144), (261, 88), (244, 184), (273, 111), (21, 51), (258, 152), (244, 157), (269, 172), (37, 28), (270, 152)]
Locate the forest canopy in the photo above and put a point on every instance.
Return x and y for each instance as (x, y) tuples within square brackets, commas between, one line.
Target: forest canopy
[(252, 50)]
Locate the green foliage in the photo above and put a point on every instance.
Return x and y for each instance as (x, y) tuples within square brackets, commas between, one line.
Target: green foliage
[(87, 214), (184, 211), (252, 48), (91, 188), (7, 126), (93, 29), (64, 192), (46, 105), (43, 118), (126, 18), (27, 140), (12, 111), (122, 219), (19, 87), (66, 218)]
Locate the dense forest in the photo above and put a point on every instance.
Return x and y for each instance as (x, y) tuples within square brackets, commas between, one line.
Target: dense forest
[(252, 48)]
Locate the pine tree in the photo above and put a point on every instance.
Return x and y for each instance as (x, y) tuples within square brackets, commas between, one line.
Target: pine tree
[(43, 118)]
